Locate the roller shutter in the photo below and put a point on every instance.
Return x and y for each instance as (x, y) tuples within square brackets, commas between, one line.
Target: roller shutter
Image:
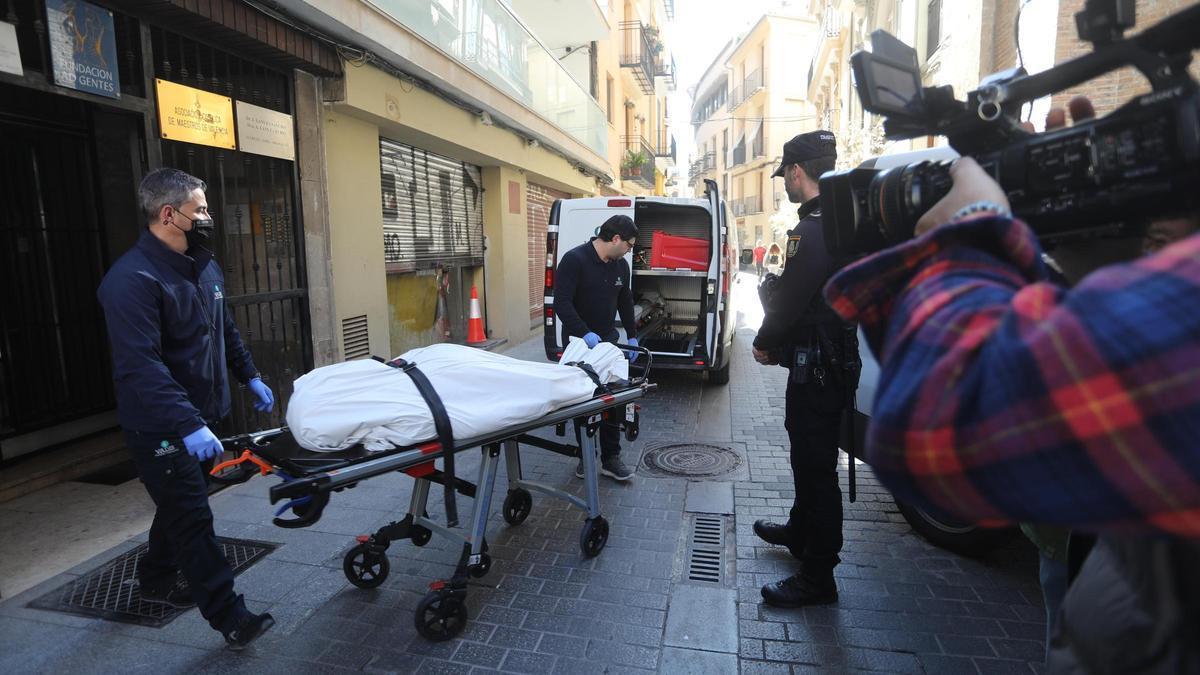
[(432, 209)]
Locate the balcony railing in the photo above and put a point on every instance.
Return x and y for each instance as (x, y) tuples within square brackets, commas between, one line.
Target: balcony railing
[(639, 54), (831, 29), (664, 145), (637, 160), (752, 84), (735, 98), (738, 156), (486, 37), (739, 208), (665, 68), (702, 167), (757, 148), (752, 205)]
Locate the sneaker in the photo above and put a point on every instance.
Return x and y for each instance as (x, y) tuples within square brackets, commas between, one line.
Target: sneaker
[(178, 597), (247, 629), (614, 468), (800, 590), (579, 469)]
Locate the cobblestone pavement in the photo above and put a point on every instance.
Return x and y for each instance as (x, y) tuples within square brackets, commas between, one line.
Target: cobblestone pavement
[(905, 605)]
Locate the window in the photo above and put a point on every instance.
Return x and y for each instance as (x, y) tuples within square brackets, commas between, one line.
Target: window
[(608, 93), (933, 27)]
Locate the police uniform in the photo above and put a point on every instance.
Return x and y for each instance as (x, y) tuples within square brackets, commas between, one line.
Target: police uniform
[(801, 332)]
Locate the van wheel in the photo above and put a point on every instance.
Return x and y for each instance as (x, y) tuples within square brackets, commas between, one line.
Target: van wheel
[(958, 537), (720, 376)]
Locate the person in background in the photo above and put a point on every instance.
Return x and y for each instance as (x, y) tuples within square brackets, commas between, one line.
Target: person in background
[(172, 339), (591, 288), (760, 252)]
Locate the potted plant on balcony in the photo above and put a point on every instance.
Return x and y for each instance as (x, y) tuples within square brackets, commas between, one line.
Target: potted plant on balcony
[(633, 161), (653, 39)]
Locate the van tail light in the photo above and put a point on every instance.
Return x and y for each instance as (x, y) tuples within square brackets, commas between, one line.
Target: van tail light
[(551, 250), (730, 268), (624, 203)]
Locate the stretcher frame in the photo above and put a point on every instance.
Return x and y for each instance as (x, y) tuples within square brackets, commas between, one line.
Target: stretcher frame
[(441, 614)]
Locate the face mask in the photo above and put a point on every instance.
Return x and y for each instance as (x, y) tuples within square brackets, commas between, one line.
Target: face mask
[(201, 232)]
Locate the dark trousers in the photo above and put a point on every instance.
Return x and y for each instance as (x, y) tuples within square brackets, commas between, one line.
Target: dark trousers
[(610, 439), (813, 418), (181, 536)]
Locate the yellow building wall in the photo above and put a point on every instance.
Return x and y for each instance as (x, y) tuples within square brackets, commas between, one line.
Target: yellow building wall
[(355, 227), (377, 105)]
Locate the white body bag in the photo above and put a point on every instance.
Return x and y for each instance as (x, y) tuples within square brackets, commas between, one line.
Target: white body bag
[(372, 403)]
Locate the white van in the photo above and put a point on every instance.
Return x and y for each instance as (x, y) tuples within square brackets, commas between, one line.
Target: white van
[(683, 312)]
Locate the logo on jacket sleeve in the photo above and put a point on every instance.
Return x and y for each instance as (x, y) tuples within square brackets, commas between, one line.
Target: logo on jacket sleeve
[(793, 245), (217, 295), (165, 448)]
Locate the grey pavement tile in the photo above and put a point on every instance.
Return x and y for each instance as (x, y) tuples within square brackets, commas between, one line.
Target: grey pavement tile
[(764, 668), (762, 630), (1026, 650), (479, 654), (894, 640), (703, 616), (271, 580), (939, 664), (622, 654), (528, 662), (696, 662), (749, 648), (960, 645), (393, 662), (800, 632), (1024, 631), (563, 645), (438, 667), (514, 638)]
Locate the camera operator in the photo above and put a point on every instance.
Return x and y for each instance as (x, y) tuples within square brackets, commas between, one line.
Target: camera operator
[(811, 344), (1005, 398)]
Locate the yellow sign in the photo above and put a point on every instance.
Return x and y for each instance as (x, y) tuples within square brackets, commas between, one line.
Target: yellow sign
[(194, 116)]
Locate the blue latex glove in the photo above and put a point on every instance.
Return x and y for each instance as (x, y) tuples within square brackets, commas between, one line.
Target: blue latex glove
[(202, 444), (591, 339), (632, 342), (266, 400)]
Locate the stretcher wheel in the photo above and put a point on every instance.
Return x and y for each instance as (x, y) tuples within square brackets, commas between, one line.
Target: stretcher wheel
[(365, 568), (441, 615), (594, 536), (517, 506), (480, 570), (420, 535)]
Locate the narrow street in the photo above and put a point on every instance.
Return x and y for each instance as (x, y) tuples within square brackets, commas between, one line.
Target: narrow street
[(905, 605)]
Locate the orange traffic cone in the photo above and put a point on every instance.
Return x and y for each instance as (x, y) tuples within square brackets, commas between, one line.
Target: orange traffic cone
[(475, 333)]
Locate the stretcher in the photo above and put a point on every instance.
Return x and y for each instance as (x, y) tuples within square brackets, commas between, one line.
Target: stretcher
[(309, 479)]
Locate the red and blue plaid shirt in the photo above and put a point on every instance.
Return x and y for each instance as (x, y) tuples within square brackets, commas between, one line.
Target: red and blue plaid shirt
[(1004, 398)]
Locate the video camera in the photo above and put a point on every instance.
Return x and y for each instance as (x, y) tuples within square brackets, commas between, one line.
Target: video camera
[(1093, 179)]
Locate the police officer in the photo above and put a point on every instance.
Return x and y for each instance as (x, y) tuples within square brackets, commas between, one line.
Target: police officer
[(172, 339), (801, 332)]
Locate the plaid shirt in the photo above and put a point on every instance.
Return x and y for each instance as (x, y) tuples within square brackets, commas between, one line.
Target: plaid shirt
[(1006, 398)]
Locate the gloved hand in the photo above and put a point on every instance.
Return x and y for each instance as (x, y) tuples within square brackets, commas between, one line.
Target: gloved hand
[(266, 400), (632, 342), (591, 339), (202, 444)]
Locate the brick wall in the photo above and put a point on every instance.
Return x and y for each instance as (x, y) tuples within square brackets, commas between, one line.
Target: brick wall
[(1109, 91), (538, 200)]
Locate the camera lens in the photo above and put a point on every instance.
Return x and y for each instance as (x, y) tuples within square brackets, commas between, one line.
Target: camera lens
[(900, 195)]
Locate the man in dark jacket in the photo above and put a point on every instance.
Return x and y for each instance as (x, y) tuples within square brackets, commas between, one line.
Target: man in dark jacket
[(172, 340), (591, 285)]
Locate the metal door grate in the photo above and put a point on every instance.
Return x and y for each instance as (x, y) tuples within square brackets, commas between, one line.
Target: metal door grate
[(706, 550), (111, 592), (356, 342)]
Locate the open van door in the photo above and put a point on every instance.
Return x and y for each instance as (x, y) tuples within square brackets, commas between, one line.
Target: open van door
[(717, 277)]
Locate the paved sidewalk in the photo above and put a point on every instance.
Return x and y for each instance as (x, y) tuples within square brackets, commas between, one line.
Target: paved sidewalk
[(905, 606)]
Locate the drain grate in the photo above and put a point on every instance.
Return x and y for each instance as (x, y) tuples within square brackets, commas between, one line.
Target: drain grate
[(111, 591), (706, 550), (693, 460)]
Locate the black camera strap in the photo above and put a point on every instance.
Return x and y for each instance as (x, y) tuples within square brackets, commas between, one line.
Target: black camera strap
[(445, 433)]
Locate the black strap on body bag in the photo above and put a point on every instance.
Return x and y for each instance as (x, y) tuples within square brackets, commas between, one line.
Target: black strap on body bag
[(441, 422)]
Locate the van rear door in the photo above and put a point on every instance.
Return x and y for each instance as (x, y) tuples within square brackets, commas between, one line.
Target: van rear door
[(716, 272), (578, 221)]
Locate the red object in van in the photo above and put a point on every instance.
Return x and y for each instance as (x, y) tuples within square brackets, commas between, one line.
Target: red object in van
[(674, 252)]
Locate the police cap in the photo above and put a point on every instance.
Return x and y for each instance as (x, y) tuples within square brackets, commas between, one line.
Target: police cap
[(812, 145)]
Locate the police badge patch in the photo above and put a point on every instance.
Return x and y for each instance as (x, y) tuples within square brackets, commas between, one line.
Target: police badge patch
[(793, 245)]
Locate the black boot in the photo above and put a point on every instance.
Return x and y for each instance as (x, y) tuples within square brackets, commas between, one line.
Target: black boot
[(801, 589), (779, 535), (246, 629)]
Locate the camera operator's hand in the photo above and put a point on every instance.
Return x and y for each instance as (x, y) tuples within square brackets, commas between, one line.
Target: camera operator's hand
[(971, 184)]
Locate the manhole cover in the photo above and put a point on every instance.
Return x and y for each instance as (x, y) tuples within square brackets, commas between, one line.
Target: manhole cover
[(691, 460)]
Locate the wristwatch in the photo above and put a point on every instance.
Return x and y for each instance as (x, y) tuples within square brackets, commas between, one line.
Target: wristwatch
[(982, 206)]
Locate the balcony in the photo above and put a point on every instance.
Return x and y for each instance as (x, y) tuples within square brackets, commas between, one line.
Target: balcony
[(752, 205), (664, 145), (827, 37), (751, 85), (702, 167), (669, 7), (637, 160), (486, 37), (665, 68), (639, 52), (757, 146), (738, 156)]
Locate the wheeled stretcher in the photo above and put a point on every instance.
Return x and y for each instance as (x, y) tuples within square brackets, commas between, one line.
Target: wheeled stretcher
[(310, 478)]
